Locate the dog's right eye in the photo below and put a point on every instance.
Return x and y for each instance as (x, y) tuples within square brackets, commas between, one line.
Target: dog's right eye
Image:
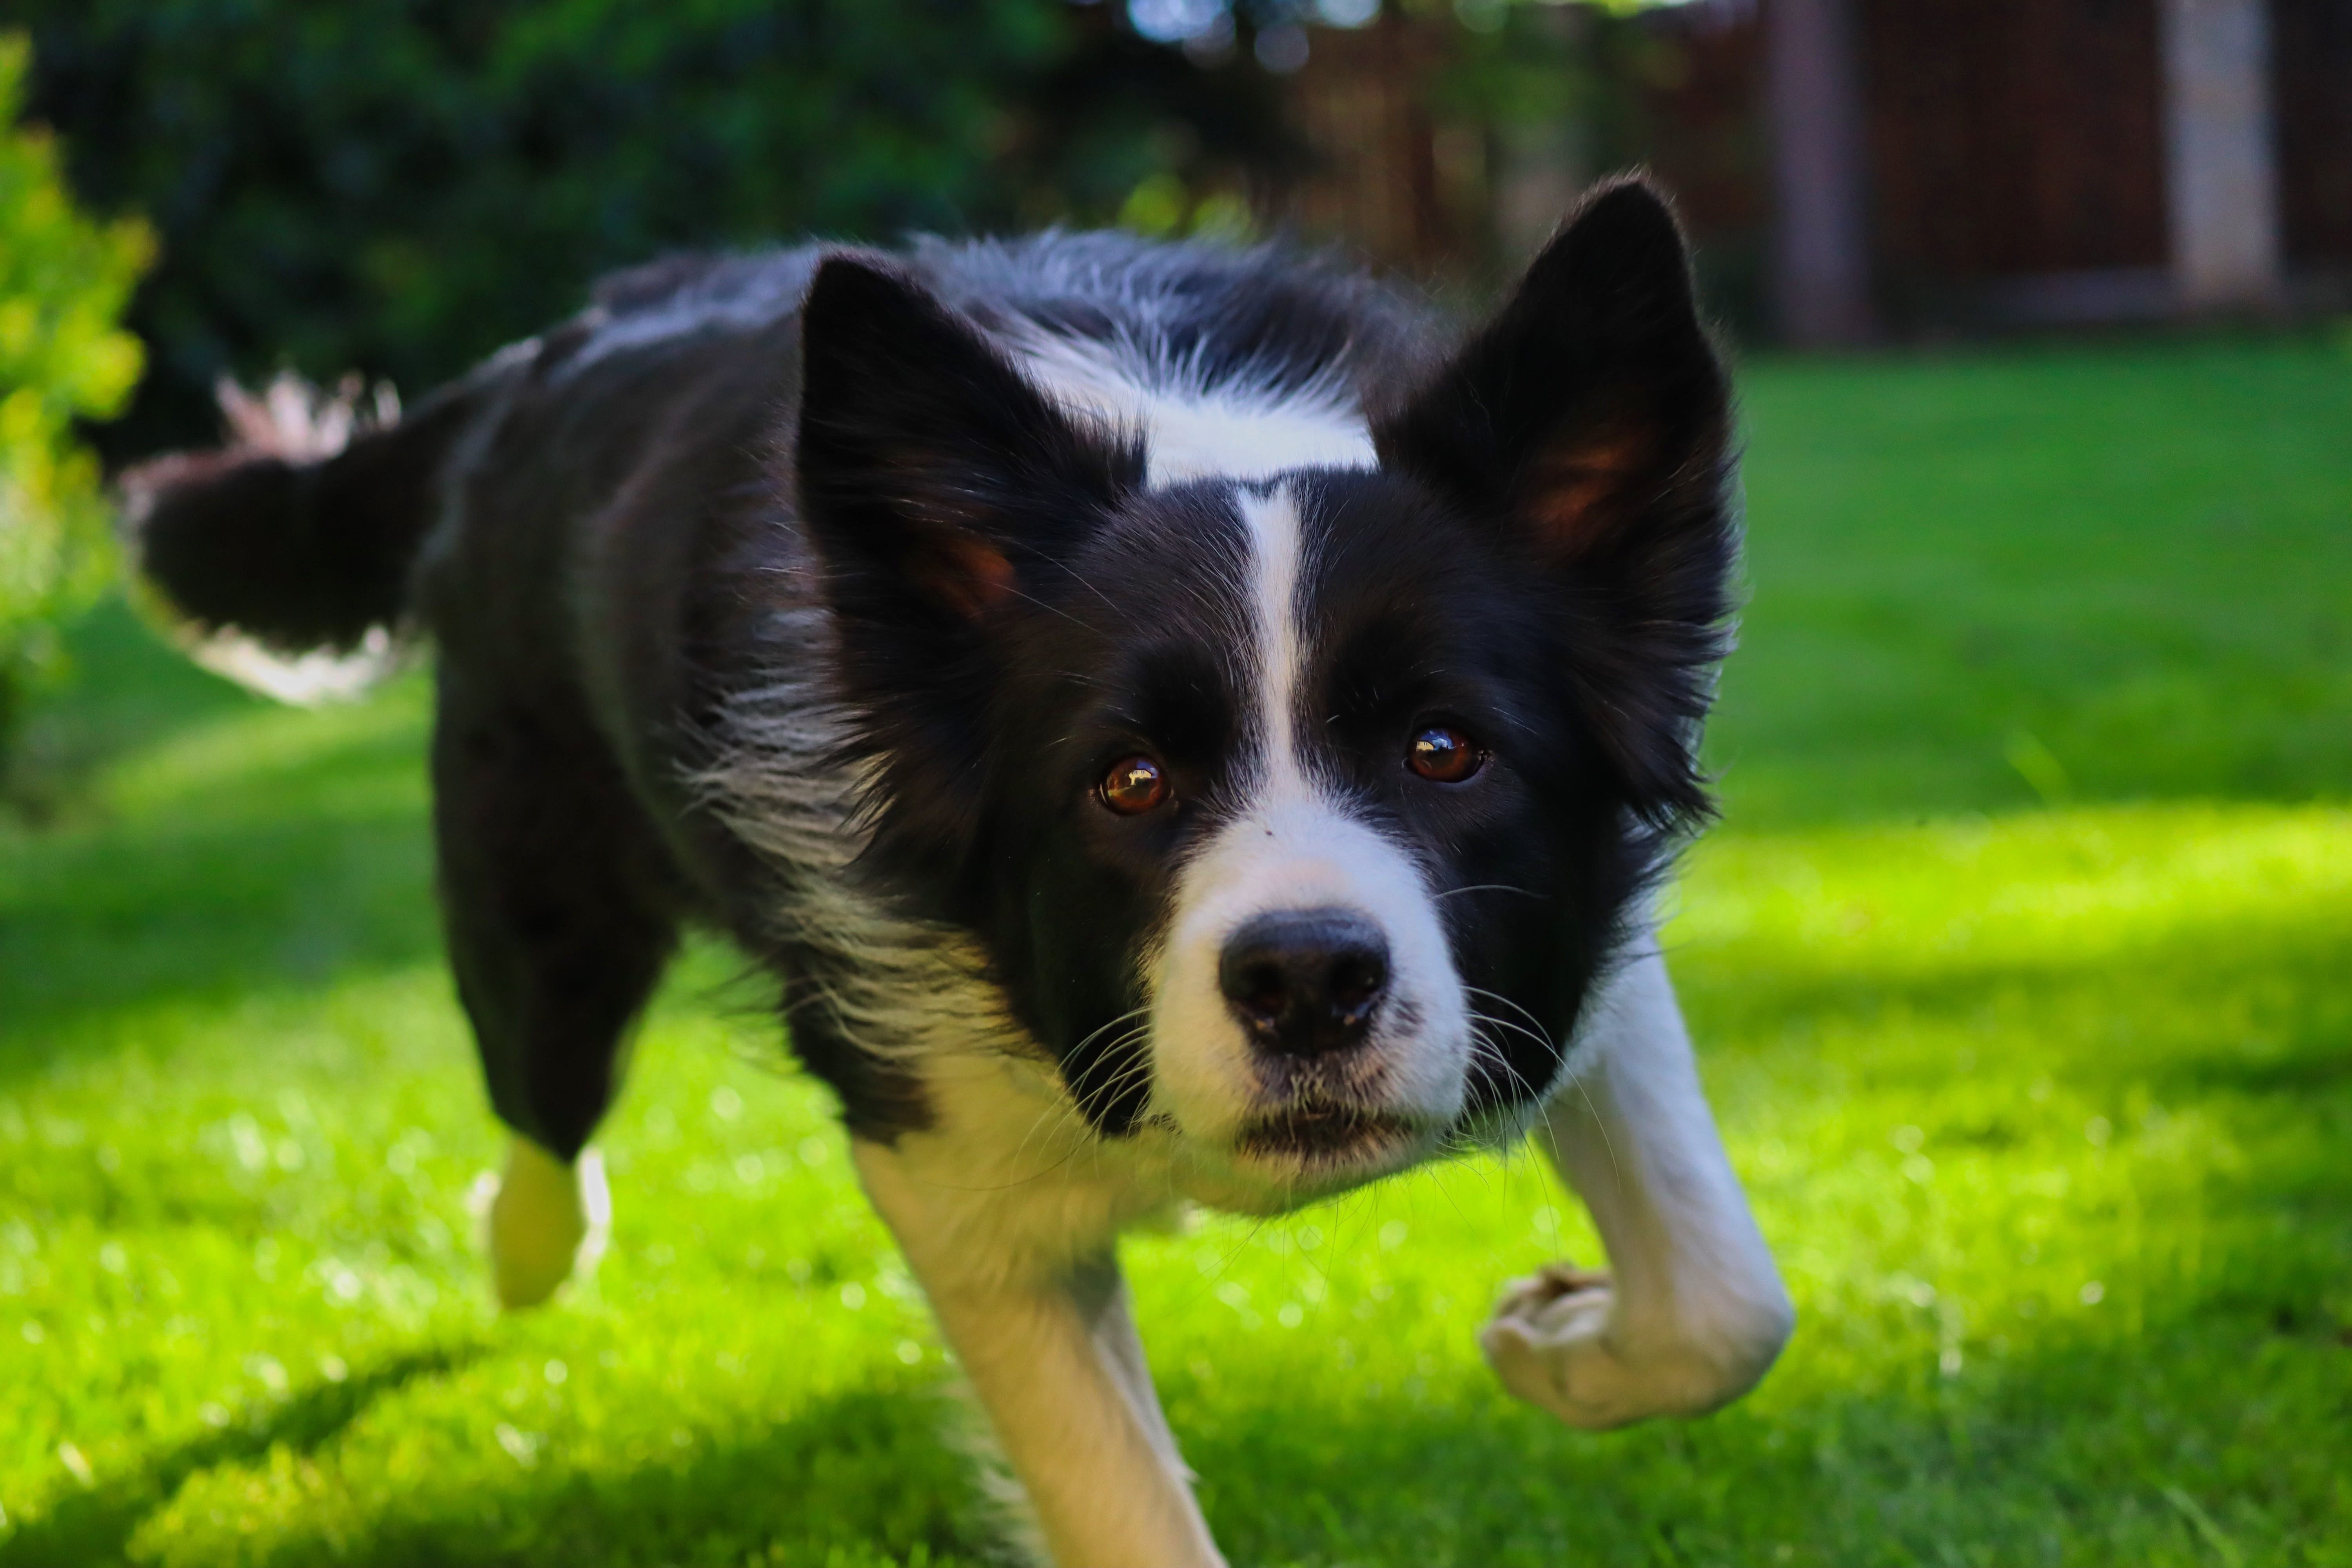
[(1133, 786), (1444, 754)]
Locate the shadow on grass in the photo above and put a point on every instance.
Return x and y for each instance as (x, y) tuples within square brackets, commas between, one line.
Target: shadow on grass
[(95, 1526), (862, 1477), (241, 849), (126, 688), (2083, 1446), (107, 924), (2254, 1009)]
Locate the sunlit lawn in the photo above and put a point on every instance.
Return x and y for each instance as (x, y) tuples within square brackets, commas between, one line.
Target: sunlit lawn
[(2022, 967)]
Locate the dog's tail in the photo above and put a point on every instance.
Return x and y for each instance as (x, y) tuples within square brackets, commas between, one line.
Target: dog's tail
[(298, 538)]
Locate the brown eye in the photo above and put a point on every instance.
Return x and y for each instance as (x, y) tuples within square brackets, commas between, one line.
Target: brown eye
[(1443, 755), (1133, 786)]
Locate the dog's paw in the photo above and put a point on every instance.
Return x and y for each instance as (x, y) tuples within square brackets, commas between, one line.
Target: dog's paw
[(1556, 1341), (543, 1219)]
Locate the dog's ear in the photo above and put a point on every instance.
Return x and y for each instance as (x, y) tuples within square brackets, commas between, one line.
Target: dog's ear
[(1589, 422), (941, 491), (933, 476)]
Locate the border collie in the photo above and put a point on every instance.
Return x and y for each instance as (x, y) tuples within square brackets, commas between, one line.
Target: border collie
[(1178, 728)]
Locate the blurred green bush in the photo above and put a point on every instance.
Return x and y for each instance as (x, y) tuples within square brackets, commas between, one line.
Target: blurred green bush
[(397, 186), (64, 280)]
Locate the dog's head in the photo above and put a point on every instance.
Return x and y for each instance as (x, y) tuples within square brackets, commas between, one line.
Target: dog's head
[(1296, 808)]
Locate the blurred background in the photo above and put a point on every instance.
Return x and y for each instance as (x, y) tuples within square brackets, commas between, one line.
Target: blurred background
[(2018, 962), (392, 185)]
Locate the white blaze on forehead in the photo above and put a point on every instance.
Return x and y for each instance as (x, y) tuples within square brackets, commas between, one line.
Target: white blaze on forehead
[(1295, 844), (1276, 553), (1191, 432)]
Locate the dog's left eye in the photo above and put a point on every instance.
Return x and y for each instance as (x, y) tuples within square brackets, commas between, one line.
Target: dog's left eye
[(1443, 755), (1133, 786)]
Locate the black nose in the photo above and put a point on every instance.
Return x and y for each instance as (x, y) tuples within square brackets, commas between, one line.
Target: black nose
[(1304, 981)]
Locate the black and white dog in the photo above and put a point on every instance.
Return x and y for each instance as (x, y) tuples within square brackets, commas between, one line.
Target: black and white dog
[(1177, 729)]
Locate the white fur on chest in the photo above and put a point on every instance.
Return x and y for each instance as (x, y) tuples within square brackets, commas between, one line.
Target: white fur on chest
[(1017, 1175)]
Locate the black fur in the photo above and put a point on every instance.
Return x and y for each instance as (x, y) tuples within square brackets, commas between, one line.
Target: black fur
[(298, 555)]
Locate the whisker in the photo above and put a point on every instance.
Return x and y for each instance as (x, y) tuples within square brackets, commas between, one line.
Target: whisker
[(1495, 1053), (1516, 1029), (1536, 1024)]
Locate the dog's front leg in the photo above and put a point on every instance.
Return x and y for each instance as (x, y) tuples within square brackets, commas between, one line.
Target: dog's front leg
[(1693, 1311), (1050, 1348)]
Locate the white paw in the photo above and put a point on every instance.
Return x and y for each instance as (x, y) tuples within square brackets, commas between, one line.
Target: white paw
[(543, 1219), (1556, 1341)]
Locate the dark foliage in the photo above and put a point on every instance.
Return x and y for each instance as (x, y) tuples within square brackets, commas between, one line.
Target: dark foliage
[(397, 186)]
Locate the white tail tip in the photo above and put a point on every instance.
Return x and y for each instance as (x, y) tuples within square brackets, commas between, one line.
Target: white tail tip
[(299, 680)]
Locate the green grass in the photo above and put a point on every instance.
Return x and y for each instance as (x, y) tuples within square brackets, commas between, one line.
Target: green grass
[(2022, 968)]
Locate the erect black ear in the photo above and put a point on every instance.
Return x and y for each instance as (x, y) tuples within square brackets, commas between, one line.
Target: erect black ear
[(1590, 423), (933, 478), (940, 489)]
